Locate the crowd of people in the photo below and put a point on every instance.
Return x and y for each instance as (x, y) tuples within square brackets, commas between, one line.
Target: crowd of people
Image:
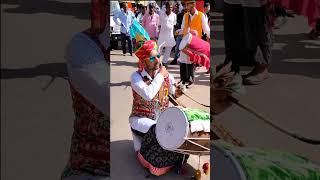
[(166, 25)]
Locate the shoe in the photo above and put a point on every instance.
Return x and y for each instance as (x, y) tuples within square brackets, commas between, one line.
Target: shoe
[(190, 85), (130, 54), (124, 54), (313, 34), (209, 71), (174, 61), (257, 79)]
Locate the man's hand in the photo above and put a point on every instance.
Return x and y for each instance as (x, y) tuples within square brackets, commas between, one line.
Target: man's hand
[(178, 93), (164, 72)]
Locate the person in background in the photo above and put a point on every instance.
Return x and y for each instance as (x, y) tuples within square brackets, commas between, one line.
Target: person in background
[(167, 22), (150, 22), (248, 38), (179, 36), (125, 19), (207, 15), (315, 32), (134, 9), (193, 22), (141, 14)]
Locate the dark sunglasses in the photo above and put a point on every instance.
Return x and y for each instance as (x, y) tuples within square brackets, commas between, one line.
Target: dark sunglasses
[(152, 58)]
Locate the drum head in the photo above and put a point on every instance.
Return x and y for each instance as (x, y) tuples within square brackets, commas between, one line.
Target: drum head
[(185, 41), (224, 165), (171, 129)]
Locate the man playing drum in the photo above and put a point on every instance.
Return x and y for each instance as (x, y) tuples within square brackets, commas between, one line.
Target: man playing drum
[(151, 86), (193, 21)]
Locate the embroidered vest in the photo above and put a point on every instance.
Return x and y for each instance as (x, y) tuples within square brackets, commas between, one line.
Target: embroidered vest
[(195, 24), (144, 108)]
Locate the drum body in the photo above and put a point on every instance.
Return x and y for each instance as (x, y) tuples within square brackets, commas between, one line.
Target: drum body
[(197, 49), (173, 132)]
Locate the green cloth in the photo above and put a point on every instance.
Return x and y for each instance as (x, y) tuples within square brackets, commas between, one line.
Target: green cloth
[(260, 164), (196, 114)]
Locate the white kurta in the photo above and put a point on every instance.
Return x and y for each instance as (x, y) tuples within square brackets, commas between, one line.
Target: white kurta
[(147, 92), (167, 24)]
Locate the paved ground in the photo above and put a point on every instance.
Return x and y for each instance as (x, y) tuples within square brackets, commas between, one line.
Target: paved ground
[(290, 98), (122, 152), (36, 123)]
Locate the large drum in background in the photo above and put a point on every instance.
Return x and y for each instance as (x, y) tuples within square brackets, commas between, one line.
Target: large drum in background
[(239, 163), (186, 131), (197, 49)]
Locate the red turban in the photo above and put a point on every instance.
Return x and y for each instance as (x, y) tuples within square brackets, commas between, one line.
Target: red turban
[(143, 51)]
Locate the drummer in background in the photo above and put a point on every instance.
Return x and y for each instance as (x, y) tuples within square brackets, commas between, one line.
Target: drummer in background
[(167, 22), (151, 86), (194, 22), (151, 21), (125, 19)]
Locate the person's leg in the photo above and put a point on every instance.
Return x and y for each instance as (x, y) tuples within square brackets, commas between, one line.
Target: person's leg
[(129, 44), (139, 127), (183, 67), (233, 35), (123, 43), (177, 51), (263, 52), (166, 55), (190, 75)]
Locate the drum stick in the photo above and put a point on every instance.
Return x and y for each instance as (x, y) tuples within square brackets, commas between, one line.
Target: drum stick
[(222, 131), (259, 116)]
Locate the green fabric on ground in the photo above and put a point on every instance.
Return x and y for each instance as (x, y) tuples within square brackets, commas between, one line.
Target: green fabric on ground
[(196, 114), (271, 164)]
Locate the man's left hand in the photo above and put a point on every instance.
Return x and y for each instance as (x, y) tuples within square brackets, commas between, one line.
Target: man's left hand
[(178, 93)]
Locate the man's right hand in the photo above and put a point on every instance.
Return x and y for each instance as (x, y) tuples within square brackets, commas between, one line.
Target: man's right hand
[(164, 72)]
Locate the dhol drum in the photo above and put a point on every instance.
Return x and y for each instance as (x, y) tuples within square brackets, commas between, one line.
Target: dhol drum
[(184, 130), (197, 49), (240, 163)]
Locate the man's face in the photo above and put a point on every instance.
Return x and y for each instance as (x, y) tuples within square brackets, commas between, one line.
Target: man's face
[(125, 7), (207, 9), (143, 10), (134, 9), (169, 9), (153, 61), (151, 9), (190, 6)]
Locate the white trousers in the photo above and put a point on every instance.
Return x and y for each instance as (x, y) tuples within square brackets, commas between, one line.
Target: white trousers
[(166, 54), (141, 124)]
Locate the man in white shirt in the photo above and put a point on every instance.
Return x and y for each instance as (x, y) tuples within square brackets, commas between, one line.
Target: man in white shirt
[(151, 86), (167, 22), (187, 26), (125, 19)]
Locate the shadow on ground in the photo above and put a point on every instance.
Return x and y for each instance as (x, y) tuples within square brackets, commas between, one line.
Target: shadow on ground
[(78, 10), (50, 69)]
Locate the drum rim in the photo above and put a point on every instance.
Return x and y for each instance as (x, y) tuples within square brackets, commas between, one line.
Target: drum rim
[(235, 163), (190, 38), (186, 132)]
